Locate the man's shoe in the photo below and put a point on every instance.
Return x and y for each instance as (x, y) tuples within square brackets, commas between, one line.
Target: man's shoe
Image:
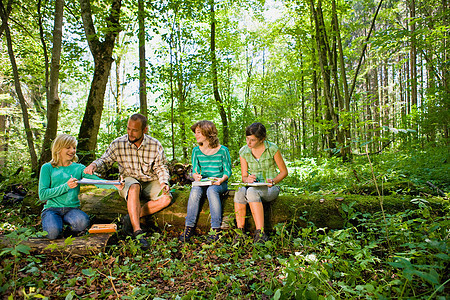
[(260, 237), (214, 235), (187, 234), (126, 225), (139, 235)]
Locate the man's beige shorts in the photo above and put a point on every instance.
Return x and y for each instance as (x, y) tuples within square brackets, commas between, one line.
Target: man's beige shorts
[(149, 190)]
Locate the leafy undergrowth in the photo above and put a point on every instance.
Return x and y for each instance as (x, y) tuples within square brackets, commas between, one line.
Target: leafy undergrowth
[(404, 255), (408, 171)]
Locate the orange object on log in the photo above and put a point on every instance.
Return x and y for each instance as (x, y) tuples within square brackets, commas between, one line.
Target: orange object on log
[(103, 228)]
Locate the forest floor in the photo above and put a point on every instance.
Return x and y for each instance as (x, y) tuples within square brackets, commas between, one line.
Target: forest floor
[(403, 255), (372, 254)]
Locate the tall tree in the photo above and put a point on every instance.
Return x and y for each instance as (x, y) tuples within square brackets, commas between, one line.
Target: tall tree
[(102, 54), (142, 68), (52, 81), (220, 104), (4, 14)]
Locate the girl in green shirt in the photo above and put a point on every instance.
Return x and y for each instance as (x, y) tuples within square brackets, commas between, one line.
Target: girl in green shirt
[(259, 162), (58, 189), (210, 160)]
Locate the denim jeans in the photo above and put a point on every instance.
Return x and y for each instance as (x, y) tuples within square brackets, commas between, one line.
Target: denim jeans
[(53, 220), (213, 193)]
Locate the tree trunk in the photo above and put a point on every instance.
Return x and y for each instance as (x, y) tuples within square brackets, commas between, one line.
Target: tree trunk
[(413, 53), (53, 100), (322, 46), (345, 105), (102, 53), (3, 137), (215, 83), (29, 135), (142, 68)]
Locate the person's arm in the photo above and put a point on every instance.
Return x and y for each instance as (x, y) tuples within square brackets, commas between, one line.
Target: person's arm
[(246, 176), (281, 166), (160, 168), (103, 163), (46, 192), (196, 170)]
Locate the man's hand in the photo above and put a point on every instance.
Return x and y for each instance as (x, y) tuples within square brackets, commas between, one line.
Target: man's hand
[(121, 185), (90, 169), (165, 188)]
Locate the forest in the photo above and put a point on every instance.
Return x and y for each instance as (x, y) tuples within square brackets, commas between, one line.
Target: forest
[(355, 94)]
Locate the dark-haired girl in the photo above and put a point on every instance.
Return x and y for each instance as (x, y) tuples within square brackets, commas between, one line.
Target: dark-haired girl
[(260, 160)]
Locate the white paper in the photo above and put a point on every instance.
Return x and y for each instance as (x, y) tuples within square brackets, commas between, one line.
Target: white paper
[(252, 184), (96, 181)]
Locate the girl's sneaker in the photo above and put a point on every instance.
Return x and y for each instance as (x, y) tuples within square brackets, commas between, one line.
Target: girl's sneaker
[(187, 234)]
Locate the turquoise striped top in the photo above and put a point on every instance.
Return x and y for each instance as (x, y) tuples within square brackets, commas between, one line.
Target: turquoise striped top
[(214, 165)]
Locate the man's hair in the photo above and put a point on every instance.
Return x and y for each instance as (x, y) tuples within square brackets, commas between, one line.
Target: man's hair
[(141, 118), (209, 130), (62, 141), (257, 129)]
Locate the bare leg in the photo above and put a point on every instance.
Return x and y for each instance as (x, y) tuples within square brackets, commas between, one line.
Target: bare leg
[(134, 206), (152, 207), (258, 214), (241, 210)]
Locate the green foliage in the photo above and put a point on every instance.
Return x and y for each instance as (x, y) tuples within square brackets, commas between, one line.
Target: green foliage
[(396, 171), (401, 255)]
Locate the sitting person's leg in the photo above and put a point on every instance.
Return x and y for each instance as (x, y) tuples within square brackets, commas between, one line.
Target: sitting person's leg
[(158, 201), (213, 193), (193, 209), (131, 194), (254, 197), (240, 206), (254, 201), (52, 222), (77, 219)]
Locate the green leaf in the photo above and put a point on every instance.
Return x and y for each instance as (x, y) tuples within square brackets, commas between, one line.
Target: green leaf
[(69, 241), (70, 295), (88, 272), (23, 248)]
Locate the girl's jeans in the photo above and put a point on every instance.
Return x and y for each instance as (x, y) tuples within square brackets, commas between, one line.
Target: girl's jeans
[(213, 193), (53, 219)]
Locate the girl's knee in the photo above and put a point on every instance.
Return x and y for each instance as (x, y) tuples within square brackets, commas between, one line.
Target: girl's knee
[(53, 233)]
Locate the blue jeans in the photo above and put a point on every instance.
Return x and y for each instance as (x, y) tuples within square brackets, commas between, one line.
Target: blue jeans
[(213, 193), (53, 219)]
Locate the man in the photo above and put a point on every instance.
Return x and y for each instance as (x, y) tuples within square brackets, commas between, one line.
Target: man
[(141, 162)]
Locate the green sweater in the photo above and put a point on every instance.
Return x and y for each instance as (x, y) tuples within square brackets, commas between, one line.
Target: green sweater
[(53, 188), (215, 165)]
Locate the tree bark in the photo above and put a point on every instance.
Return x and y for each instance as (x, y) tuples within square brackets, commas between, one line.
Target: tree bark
[(51, 83), (142, 68), (215, 83), (4, 14), (322, 46), (3, 137), (413, 53), (102, 53)]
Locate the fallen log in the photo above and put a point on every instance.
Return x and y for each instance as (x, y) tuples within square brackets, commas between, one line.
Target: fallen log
[(83, 245), (106, 206)]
